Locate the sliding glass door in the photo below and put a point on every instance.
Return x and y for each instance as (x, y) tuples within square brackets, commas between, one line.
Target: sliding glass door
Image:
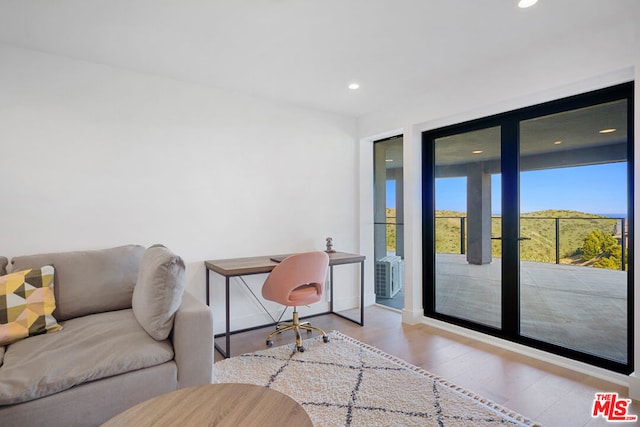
[(466, 163), (573, 204), (528, 226)]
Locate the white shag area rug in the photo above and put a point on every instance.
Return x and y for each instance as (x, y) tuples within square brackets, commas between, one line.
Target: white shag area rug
[(349, 383)]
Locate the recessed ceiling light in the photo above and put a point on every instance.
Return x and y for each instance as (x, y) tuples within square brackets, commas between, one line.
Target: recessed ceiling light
[(609, 130), (477, 151), (354, 86), (557, 143), (526, 3)]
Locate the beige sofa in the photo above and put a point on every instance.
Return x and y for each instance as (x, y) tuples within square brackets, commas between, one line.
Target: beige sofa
[(129, 333)]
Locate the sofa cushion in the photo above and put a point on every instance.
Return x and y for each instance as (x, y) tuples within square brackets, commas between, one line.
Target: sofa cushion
[(88, 282), (158, 292), (26, 304), (1, 355), (87, 349), (3, 265)]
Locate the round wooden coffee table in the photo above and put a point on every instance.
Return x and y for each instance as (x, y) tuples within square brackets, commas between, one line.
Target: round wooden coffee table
[(216, 404)]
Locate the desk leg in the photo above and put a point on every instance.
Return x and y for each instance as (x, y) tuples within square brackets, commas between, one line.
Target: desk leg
[(227, 318), (207, 289), (331, 287), (362, 293), (361, 322), (226, 353)]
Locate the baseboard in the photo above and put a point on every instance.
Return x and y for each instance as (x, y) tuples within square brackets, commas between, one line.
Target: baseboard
[(369, 299), (349, 302), (412, 317), (634, 386)]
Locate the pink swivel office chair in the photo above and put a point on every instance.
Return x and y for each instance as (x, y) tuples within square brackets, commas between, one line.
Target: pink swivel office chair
[(297, 280)]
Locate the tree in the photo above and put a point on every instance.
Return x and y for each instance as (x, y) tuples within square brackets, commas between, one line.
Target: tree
[(592, 245), (608, 262), (604, 247)]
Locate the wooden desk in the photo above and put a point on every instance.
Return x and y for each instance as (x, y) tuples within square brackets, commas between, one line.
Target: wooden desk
[(237, 267), (215, 405)]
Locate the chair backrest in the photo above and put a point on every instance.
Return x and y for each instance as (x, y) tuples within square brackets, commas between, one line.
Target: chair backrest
[(309, 268)]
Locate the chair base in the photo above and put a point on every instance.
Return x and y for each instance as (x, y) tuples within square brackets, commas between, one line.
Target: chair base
[(296, 326)]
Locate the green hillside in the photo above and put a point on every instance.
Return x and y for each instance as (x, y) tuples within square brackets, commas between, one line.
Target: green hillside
[(539, 226), (574, 228)]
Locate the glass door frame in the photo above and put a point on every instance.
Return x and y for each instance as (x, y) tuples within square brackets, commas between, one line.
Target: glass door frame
[(510, 172)]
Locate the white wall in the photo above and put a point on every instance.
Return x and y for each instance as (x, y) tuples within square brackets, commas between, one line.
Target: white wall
[(575, 64), (94, 157)]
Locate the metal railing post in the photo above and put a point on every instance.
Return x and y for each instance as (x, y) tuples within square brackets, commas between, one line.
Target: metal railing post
[(557, 240), (462, 235), (623, 242)]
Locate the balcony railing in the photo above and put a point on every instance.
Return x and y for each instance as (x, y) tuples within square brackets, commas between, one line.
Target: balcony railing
[(550, 240)]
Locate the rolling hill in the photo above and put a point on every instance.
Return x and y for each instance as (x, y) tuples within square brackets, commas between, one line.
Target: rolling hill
[(539, 226)]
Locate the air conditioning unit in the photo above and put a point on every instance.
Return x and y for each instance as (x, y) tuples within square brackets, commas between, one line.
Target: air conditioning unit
[(389, 276)]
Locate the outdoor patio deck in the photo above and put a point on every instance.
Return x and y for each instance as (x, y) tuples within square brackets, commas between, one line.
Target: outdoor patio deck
[(577, 307)]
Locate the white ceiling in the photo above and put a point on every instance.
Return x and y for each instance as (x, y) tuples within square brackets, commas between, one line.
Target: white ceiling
[(306, 51)]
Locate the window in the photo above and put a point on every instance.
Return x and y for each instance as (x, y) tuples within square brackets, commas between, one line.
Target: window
[(388, 222)]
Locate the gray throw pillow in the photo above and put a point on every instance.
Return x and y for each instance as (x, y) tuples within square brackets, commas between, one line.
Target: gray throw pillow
[(158, 291)]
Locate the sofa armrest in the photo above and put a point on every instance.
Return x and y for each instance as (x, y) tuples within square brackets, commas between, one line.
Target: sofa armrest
[(192, 338)]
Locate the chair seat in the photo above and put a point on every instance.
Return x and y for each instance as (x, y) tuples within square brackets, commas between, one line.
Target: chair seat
[(306, 294)]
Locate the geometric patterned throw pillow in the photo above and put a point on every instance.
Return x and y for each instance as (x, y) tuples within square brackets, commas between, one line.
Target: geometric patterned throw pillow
[(26, 304)]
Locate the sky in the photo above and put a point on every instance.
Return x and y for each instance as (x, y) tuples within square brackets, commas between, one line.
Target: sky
[(599, 189)]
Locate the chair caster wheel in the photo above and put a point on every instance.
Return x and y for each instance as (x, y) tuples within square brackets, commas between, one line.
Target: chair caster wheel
[(301, 349), (325, 338), (308, 331), (269, 343)]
